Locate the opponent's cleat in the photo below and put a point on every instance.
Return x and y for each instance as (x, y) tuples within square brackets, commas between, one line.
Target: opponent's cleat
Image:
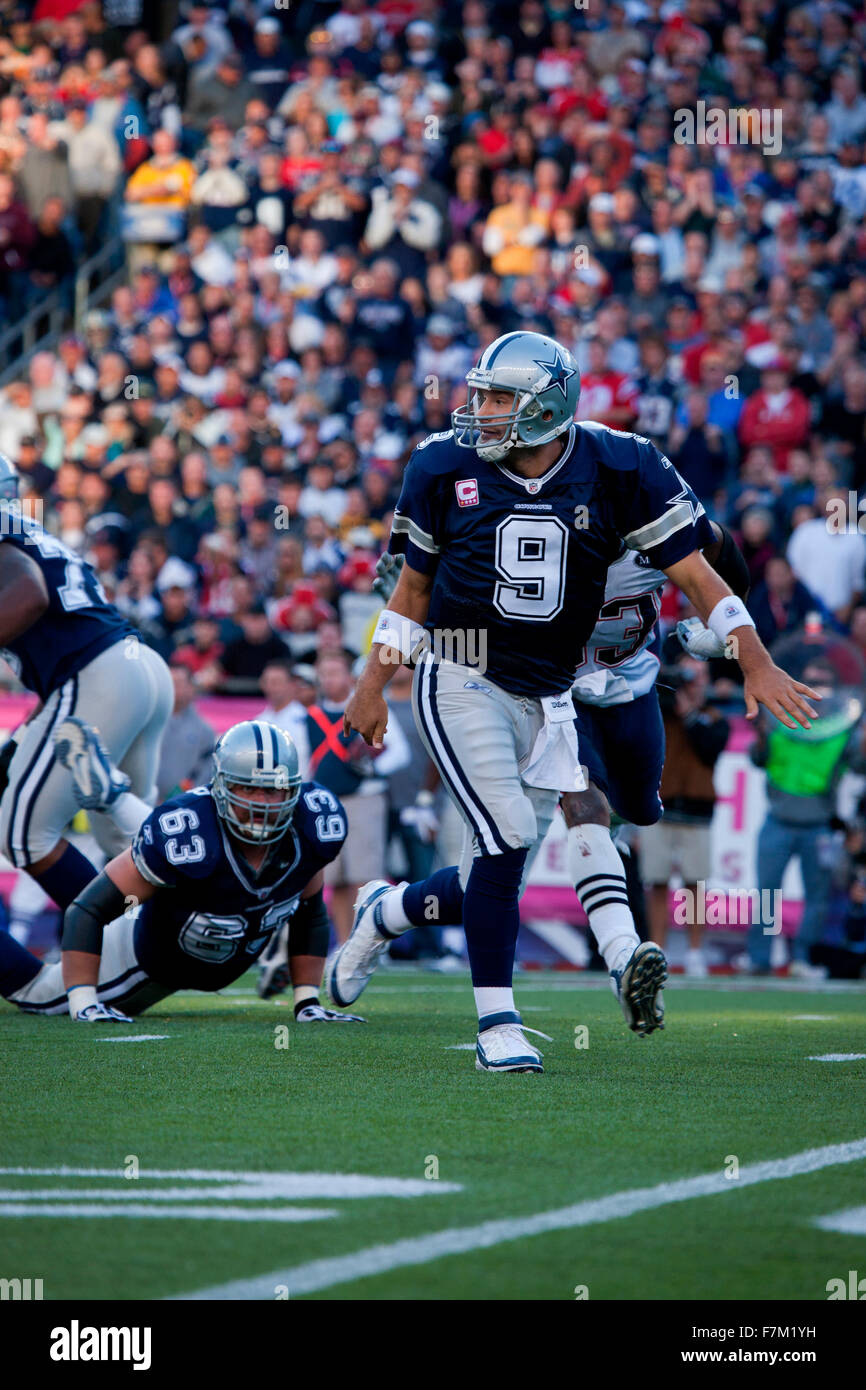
[(638, 988), (98, 783), (274, 974), (502, 1044), (314, 1012), (349, 968)]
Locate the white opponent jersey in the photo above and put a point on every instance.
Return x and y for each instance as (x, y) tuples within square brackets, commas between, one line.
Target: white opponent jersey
[(617, 665)]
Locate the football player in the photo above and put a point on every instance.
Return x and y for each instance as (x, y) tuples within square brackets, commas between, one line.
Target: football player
[(622, 748), (210, 877), (69, 645), (509, 522), (621, 735)]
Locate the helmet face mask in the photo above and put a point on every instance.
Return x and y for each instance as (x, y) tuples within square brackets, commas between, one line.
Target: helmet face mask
[(542, 378), (253, 755)]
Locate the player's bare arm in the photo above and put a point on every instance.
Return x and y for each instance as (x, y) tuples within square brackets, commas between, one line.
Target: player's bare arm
[(366, 711), (307, 969), (766, 684), (23, 594), (105, 898)]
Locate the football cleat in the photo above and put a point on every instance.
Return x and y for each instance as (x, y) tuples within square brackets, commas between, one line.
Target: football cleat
[(98, 783), (314, 1012), (349, 968), (274, 964), (502, 1044), (638, 988)]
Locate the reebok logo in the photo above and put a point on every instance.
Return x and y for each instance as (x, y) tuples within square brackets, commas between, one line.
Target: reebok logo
[(76, 1343)]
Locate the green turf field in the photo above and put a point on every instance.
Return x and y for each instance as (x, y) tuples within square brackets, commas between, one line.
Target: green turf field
[(216, 1103)]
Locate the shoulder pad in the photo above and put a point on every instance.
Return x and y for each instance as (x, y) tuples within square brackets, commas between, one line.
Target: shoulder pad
[(616, 448), (439, 453), (178, 839), (321, 818)]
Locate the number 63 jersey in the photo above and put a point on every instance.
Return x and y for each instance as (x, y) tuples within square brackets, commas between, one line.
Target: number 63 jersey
[(521, 564), (212, 915)]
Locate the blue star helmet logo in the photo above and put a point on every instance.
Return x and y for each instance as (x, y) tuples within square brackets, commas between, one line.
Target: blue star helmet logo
[(559, 372)]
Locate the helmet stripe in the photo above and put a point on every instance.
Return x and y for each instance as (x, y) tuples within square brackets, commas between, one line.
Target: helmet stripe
[(260, 762), (497, 348), (275, 747)]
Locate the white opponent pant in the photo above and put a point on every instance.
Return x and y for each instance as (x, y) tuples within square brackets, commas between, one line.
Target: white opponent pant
[(126, 693), (121, 979), (480, 736)]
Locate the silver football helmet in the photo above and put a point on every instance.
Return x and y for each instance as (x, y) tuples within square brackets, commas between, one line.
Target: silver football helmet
[(544, 380), (255, 754), (8, 480)]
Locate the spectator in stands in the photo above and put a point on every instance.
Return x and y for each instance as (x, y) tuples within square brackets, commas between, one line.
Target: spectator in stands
[(245, 658), (280, 688), (830, 562), (188, 741)]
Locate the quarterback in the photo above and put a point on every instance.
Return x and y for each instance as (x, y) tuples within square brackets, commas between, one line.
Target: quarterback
[(210, 877), (69, 645), (509, 523)]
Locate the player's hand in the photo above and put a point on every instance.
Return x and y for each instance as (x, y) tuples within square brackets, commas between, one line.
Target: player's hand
[(315, 1012), (697, 639), (367, 714), (784, 697), (388, 569), (101, 1013)]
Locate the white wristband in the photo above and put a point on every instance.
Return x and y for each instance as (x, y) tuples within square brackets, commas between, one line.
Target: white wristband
[(80, 997), (729, 612), (394, 630)]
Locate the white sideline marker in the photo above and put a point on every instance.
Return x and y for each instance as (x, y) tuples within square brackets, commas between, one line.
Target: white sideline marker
[(419, 1250), (137, 1037), (839, 1057)]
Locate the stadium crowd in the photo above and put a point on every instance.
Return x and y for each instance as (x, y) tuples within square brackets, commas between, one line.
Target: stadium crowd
[(329, 211)]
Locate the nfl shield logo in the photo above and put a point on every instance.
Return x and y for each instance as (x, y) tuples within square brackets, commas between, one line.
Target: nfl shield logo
[(532, 485), (467, 492)]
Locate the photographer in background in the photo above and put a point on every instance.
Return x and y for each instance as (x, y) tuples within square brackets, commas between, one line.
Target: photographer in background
[(679, 844)]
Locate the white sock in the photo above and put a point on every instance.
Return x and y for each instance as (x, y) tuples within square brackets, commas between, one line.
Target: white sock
[(493, 999), (599, 881), (128, 812), (393, 916), (301, 993)]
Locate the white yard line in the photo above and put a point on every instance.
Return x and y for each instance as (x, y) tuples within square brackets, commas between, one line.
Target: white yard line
[(142, 1211), (851, 1222), (419, 1250), (136, 1037), (839, 1057)]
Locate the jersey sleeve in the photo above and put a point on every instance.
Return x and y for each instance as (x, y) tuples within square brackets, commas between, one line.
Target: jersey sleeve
[(170, 845), (661, 516), (417, 528)]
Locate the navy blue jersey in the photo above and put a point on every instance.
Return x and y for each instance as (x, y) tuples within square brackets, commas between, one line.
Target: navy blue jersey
[(78, 623), (212, 915), (520, 564)]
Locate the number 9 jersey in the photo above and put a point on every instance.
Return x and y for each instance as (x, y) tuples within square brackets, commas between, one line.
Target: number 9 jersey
[(212, 914), (521, 564)]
